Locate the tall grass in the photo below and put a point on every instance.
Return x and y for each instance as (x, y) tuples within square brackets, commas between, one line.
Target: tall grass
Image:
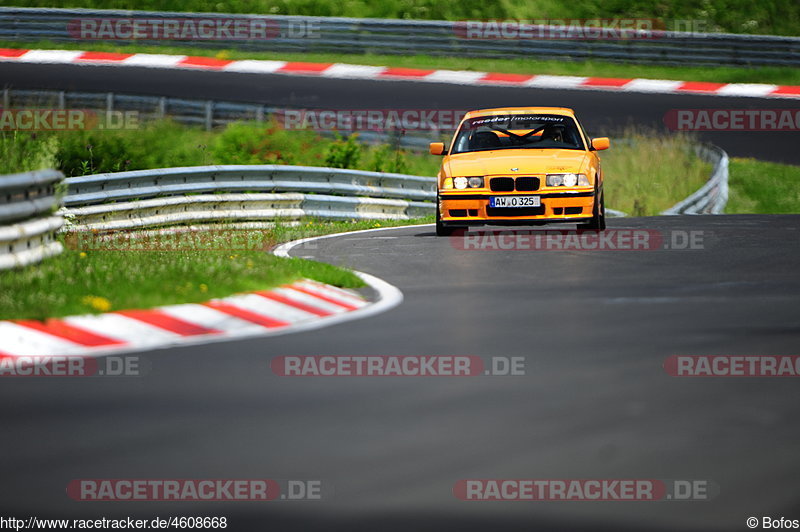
[(24, 152), (648, 173)]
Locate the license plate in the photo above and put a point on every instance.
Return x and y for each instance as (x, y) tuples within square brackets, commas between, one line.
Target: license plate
[(514, 201)]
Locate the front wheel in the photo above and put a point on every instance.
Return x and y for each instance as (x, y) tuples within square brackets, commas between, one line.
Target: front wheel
[(598, 221)]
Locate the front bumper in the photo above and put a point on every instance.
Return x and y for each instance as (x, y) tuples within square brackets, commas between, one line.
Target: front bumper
[(463, 208)]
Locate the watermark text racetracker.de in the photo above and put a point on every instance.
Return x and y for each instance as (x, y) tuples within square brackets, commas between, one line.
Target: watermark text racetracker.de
[(733, 365), (559, 28), (192, 29), (733, 119), (187, 490), (66, 120), (396, 366), (174, 240), (563, 239), (585, 29), (532, 489), (74, 366), (371, 119)]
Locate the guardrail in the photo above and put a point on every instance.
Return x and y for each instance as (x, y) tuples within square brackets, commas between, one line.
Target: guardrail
[(128, 200), (27, 223), (712, 197), (446, 38)]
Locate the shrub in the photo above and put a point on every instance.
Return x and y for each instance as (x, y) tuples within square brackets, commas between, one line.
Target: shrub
[(344, 152)]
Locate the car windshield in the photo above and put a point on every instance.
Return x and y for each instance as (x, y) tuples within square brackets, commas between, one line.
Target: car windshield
[(528, 131)]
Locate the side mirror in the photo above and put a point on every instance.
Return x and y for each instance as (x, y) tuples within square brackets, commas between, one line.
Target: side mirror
[(600, 143), (436, 148)]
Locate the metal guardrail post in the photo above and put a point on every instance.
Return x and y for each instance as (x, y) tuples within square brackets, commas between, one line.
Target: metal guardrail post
[(209, 115)]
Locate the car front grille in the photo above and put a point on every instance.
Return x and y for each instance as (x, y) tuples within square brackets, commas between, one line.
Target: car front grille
[(527, 184), (509, 184), (501, 184)]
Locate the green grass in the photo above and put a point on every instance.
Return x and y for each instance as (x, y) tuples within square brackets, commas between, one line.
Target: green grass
[(164, 144), (763, 188), (740, 16), (87, 279), (646, 173), (23, 152), (777, 75)]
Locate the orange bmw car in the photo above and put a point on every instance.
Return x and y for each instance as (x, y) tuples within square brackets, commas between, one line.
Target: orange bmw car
[(520, 166)]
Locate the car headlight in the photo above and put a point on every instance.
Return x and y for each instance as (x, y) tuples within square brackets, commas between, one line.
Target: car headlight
[(475, 182), (463, 182), (567, 180)]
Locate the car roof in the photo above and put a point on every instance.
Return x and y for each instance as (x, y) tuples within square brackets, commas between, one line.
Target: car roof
[(520, 110)]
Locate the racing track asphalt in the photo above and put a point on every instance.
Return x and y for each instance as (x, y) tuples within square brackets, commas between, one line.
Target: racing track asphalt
[(593, 326), (602, 113)]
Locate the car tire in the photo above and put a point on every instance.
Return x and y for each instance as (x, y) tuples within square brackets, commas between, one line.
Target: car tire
[(598, 221)]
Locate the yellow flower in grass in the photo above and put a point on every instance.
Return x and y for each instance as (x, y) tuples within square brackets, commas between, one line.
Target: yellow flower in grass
[(203, 288), (250, 264), (97, 303), (82, 254)]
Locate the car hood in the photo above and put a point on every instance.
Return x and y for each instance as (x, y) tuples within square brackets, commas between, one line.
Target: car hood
[(501, 162)]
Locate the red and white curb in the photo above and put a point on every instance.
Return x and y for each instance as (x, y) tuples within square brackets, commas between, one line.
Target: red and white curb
[(298, 306), (347, 71)]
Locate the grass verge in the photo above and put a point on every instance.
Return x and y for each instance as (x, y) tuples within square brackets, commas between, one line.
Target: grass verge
[(194, 270), (646, 174), (763, 188), (777, 75)]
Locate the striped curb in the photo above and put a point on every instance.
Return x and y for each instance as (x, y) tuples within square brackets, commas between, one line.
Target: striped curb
[(289, 308), (347, 71)]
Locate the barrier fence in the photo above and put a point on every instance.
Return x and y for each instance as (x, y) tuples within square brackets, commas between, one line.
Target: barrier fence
[(405, 37)]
